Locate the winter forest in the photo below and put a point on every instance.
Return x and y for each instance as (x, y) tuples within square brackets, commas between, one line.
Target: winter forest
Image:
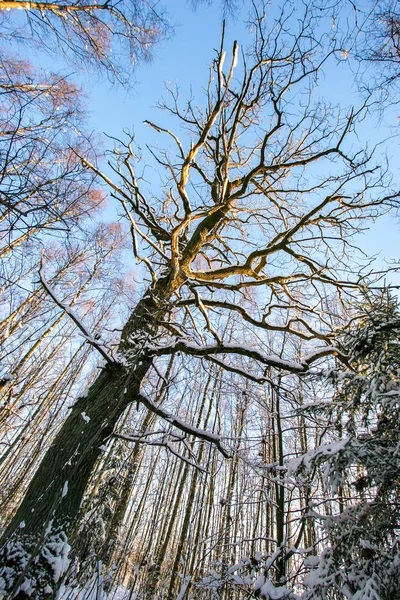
[(199, 322)]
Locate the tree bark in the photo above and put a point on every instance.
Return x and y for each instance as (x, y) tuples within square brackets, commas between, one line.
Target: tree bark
[(43, 524)]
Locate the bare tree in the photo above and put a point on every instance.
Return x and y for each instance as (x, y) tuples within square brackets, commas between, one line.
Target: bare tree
[(382, 39), (110, 35), (370, 42), (43, 185), (255, 218)]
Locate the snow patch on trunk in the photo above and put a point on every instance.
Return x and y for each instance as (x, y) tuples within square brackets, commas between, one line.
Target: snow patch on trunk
[(55, 552), (64, 490)]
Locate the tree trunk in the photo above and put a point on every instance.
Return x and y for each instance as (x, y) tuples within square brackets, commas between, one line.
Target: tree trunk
[(35, 544)]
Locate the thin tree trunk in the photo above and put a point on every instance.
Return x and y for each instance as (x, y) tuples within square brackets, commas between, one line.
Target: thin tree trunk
[(50, 507), (122, 503), (192, 489), (279, 487)]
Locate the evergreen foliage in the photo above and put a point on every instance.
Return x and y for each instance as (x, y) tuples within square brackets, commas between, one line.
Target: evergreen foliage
[(361, 559)]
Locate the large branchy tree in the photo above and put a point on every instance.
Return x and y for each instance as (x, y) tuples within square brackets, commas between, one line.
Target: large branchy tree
[(262, 189)]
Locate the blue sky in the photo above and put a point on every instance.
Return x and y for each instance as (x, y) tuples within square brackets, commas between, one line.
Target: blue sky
[(184, 60)]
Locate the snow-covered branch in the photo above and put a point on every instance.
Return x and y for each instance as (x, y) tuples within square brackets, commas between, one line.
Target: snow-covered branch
[(163, 442), (202, 434), (85, 332), (265, 359)]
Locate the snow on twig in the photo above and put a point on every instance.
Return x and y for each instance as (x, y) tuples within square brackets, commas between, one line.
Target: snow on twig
[(186, 427), (163, 443), (268, 360), (65, 307)]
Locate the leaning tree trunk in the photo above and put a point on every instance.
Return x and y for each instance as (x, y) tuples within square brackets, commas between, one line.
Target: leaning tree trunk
[(35, 545)]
